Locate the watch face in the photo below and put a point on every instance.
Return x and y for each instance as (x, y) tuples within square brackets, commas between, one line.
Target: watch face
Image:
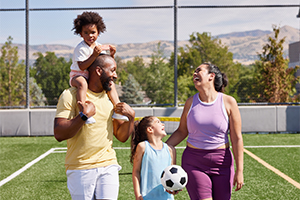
[(83, 116)]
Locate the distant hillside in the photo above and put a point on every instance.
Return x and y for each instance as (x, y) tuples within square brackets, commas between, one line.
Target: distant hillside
[(244, 46), (254, 33)]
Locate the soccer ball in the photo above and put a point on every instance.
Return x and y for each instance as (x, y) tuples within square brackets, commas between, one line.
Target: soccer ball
[(174, 178)]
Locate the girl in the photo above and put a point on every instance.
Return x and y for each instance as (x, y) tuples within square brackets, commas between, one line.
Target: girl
[(206, 118), (89, 25), (150, 156)]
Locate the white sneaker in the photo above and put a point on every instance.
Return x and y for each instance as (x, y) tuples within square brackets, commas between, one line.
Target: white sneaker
[(90, 120), (120, 117)]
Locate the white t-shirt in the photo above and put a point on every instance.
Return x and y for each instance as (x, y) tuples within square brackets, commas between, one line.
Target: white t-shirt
[(81, 52)]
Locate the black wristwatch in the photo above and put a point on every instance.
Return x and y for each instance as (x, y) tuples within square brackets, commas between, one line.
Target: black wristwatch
[(83, 116)]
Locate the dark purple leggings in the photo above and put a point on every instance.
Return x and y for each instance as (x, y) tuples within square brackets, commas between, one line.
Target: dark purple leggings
[(210, 173)]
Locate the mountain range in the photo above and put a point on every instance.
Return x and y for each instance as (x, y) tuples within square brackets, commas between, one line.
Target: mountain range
[(244, 45)]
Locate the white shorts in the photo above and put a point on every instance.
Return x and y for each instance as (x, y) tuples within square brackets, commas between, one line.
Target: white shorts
[(98, 183)]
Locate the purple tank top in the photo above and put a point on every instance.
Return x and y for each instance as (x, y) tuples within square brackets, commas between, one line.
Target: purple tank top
[(207, 123)]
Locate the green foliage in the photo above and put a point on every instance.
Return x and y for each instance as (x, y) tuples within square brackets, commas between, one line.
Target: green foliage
[(12, 73), (13, 80), (246, 86), (204, 48), (186, 88), (132, 91), (37, 98), (137, 68), (52, 74), (121, 70), (275, 81), (158, 79)]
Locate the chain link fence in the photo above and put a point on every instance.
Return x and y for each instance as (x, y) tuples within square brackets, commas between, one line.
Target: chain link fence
[(171, 21)]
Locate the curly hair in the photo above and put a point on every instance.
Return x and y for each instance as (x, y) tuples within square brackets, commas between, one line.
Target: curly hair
[(88, 18), (140, 133)]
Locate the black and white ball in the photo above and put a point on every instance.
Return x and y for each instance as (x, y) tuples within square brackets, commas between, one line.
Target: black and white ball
[(174, 178)]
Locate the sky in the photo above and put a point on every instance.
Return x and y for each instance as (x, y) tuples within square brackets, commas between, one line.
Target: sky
[(141, 25)]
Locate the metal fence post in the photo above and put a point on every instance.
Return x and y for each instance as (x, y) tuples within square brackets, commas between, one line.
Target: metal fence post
[(175, 54), (27, 53)]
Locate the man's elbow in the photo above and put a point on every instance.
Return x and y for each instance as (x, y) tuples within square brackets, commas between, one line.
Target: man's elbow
[(57, 136), (123, 140)]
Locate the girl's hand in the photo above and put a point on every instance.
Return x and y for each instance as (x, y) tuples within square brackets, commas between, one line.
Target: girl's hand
[(140, 198), (88, 108), (173, 192), (112, 50), (97, 50)]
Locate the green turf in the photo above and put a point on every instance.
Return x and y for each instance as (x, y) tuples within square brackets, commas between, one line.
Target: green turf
[(47, 180)]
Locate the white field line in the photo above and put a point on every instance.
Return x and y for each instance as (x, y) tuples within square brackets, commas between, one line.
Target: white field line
[(274, 146), (183, 147), (63, 150), (270, 167), (25, 167)]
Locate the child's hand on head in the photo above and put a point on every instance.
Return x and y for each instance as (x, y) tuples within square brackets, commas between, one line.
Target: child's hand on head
[(112, 50), (88, 108), (97, 50)]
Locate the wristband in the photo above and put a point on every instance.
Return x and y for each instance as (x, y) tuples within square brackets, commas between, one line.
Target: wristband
[(83, 116)]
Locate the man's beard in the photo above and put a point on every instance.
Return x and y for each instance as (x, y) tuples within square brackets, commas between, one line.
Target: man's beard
[(106, 83)]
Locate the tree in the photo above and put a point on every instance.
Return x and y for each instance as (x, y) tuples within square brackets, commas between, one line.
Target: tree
[(36, 97), (275, 80), (11, 72), (52, 74), (132, 91), (159, 79), (245, 88), (136, 67), (13, 80), (204, 48), (121, 70)]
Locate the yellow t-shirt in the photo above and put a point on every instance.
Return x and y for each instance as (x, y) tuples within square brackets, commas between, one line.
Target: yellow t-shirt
[(91, 147)]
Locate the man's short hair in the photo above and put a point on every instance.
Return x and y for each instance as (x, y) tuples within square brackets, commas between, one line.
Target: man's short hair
[(100, 61)]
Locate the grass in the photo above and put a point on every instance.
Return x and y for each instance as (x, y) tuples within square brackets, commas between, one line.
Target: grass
[(47, 179)]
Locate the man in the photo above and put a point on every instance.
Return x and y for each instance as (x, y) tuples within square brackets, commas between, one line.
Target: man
[(91, 163)]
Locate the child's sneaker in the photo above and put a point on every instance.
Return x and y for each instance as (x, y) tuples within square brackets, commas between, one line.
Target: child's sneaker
[(90, 120), (120, 117)]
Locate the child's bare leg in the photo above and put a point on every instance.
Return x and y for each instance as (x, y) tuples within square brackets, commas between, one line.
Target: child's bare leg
[(114, 98), (81, 84), (113, 95)]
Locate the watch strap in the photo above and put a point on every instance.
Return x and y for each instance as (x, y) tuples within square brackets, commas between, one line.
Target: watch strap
[(83, 116)]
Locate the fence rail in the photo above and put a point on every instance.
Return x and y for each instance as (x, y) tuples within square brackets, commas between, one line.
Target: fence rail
[(270, 119)]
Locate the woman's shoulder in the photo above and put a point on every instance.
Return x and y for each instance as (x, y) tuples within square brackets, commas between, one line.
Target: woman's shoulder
[(229, 99), (189, 101), (230, 103)]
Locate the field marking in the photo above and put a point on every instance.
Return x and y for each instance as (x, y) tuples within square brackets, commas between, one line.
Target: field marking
[(270, 167), (63, 150), (273, 146), (183, 147), (25, 167)]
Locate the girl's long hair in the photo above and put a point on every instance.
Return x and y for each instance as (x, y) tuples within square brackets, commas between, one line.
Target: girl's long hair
[(140, 133)]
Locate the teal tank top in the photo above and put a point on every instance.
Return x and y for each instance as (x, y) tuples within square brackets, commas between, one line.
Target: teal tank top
[(153, 163)]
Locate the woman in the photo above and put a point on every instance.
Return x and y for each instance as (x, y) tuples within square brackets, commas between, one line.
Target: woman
[(206, 118)]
